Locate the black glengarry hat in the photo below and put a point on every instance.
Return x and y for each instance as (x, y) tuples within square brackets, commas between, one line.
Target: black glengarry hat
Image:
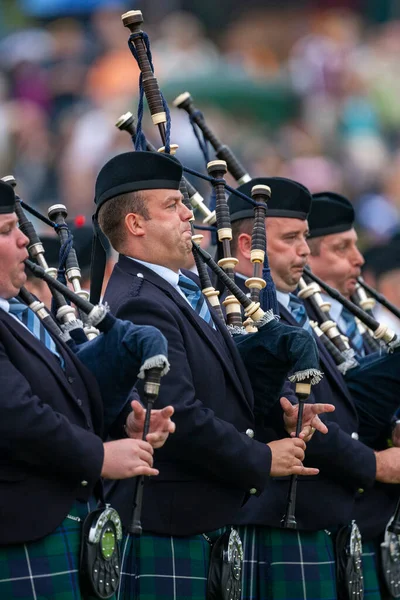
[(7, 198), (330, 213), (288, 199), (134, 171)]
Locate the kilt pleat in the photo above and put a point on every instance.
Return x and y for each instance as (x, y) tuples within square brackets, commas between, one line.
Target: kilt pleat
[(46, 569), (370, 572), (283, 564), (157, 567)]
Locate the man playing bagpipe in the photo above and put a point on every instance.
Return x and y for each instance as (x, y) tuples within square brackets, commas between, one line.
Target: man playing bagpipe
[(335, 257), (51, 435), (214, 464), (303, 563)]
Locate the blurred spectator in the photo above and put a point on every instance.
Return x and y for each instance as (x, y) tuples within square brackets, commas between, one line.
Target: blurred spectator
[(182, 49)]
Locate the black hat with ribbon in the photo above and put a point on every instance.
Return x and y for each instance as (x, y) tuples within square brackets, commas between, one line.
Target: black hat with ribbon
[(135, 171)]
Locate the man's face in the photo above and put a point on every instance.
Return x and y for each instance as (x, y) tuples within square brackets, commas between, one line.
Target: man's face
[(12, 255), (339, 261), (287, 251), (166, 236)]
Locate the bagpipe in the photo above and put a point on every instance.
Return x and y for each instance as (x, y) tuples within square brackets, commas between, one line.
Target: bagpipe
[(270, 350)]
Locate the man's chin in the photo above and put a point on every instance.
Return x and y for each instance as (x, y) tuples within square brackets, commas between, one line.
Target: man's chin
[(350, 289)]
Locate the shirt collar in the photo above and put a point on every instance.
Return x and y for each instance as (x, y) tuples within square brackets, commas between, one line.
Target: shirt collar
[(167, 274), (336, 308), (283, 298), (4, 304)]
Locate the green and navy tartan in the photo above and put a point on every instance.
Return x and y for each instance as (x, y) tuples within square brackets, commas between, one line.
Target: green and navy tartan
[(48, 568), (370, 560), (282, 564), (160, 567)]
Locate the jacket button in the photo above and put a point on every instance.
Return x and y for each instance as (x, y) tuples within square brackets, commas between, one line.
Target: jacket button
[(70, 379), (79, 402), (250, 433), (253, 491), (355, 435), (84, 483)]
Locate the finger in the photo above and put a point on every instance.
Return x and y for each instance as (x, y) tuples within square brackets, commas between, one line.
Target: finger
[(287, 407), (299, 453), (145, 470), (317, 424), (142, 444), (306, 433), (322, 408), (309, 471), (146, 457), (157, 440), (167, 411), (299, 443), (300, 470), (137, 408)]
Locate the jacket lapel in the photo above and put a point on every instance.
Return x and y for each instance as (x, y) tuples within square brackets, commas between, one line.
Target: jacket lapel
[(30, 341), (220, 349)]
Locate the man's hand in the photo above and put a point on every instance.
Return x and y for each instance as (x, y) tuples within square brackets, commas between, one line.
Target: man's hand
[(388, 465), (287, 457), (127, 458), (160, 424), (311, 421)]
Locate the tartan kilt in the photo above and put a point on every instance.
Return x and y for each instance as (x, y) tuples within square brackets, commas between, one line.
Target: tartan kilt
[(160, 567), (284, 564), (370, 560), (46, 569)]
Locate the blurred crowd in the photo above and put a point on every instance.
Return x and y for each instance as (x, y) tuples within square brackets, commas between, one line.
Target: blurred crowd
[(64, 81)]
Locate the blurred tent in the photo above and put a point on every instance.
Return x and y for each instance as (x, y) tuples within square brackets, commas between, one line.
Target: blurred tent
[(272, 101)]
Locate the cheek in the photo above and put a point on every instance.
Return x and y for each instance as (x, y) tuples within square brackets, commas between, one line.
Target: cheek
[(341, 267)]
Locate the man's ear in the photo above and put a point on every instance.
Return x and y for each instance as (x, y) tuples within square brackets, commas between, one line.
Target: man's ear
[(134, 224), (244, 245)]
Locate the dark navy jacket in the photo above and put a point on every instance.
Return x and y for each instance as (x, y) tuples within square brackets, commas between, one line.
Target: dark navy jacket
[(49, 451), (209, 465), (347, 466)]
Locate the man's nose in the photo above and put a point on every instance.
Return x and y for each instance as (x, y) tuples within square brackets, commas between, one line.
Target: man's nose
[(304, 249), (357, 258), (186, 213), (22, 240)]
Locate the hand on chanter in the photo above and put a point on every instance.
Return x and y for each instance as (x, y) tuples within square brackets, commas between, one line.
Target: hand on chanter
[(160, 424), (127, 458), (287, 458), (311, 421)]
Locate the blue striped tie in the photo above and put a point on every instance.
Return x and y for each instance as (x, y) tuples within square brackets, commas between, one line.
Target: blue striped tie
[(196, 299), (298, 311), (355, 337), (34, 324)]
